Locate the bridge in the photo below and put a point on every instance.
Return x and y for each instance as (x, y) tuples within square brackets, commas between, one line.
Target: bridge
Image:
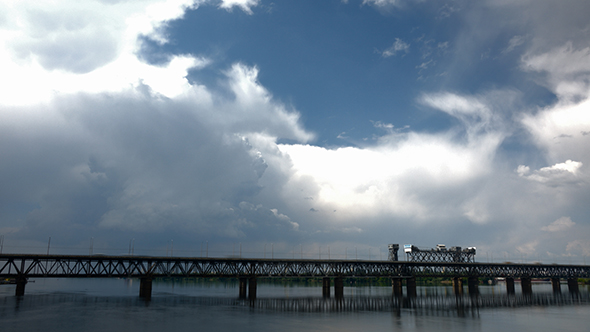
[(20, 267)]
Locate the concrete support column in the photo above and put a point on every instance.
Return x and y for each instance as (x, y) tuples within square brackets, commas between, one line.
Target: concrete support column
[(572, 285), (396, 284), (339, 287), (411, 287), (252, 288), (510, 286), (473, 285), (145, 288), (556, 285), (326, 287), (243, 287), (458, 285), (527, 287), (20, 286)]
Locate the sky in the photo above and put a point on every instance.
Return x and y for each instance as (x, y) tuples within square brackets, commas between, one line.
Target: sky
[(295, 128)]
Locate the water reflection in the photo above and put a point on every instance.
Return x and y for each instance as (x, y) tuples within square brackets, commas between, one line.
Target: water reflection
[(434, 305)]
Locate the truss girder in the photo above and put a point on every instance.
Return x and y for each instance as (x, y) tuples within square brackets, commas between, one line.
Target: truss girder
[(132, 266), (441, 256)]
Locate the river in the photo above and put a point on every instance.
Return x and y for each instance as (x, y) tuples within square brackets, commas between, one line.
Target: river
[(113, 305)]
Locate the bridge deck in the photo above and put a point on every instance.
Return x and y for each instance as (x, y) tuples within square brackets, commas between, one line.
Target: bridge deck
[(99, 266)]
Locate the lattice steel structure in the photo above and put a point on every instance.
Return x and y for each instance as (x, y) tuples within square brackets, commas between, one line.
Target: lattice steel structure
[(440, 254), (393, 248), (74, 266)]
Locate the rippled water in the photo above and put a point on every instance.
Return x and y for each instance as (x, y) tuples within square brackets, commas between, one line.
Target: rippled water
[(114, 305)]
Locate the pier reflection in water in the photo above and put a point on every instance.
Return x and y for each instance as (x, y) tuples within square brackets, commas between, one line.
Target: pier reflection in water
[(424, 304), (436, 303), (113, 305)]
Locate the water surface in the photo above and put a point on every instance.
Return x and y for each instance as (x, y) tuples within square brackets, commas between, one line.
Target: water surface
[(113, 305)]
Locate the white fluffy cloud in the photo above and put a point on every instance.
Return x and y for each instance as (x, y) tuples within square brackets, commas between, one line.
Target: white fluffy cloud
[(567, 67), (562, 130), (245, 5), (562, 173), (398, 176), (72, 46), (93, 137), (91, 46), (560, 224)]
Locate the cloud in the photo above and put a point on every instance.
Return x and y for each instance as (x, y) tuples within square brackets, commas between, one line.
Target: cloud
[(114, 143), (473, 112), (580, 247), (253, 111), (559, 225), (557, 174), (88, 46), (513, 43), (561, 61), (527, 31), (388, 127), (93, 139), (528, 248), (381, 2), (134, 162), (447, 10), (245, 5), (443, 45), (462, 178), (399, 175), (558, 130), (568, 69), (398, 46)]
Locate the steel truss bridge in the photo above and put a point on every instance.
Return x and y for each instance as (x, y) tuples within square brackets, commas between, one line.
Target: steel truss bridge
[(20, 266), (457, 256)]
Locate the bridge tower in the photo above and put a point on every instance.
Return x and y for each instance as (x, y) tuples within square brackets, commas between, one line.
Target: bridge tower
[(393, 248)]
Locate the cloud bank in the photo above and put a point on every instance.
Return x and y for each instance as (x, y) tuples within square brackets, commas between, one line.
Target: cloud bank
[(96, 141)]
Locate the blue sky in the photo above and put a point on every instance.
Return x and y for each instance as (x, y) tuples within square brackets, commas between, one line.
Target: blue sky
[(314, 124), (337, 63)]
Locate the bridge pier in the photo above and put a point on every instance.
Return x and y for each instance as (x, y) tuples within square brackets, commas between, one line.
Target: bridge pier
[(145, 288), (510, 286), (556, 285), (339, 287), (326, 287), (243, 287), (411, 287), (247, 288), (572, 285), (20, 286), (458, 285), (396, 285), (252, 288), (527, 287), (473, 285)]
